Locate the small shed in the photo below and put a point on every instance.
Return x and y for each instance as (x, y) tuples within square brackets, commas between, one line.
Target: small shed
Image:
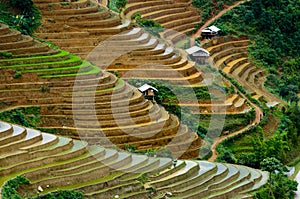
[(210, 32), (197, 54), (148, 91)]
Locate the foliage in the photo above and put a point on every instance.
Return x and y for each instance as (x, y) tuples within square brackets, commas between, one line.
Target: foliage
[(210, 8), (227, 156), (22, 5), (280, 145), (150, 25), (9, 190), (115, 72), (151, 152), (274, 28), (120, 4), (271, 164), (117, 5), (27, 19), (18, 74), (65, 3), (4, 54), (234, 82), (29, 116), (279, 186), (169, 96), (62, 194)]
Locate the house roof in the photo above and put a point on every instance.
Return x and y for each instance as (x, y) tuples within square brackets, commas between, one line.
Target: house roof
[(206, 30), (214, 28), (146, 87), (195, 49), (211, 29)]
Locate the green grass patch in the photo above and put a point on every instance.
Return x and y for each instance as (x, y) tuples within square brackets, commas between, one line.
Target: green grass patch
[(94, 70), (9, 61)]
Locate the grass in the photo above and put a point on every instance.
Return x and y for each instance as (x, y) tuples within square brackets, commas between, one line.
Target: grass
[(232, 122), (60, 70), (62, 53), (120, 84), (87, 183), (10, 176), (71, 61), (94, 70)]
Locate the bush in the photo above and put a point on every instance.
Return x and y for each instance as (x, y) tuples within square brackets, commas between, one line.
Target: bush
[(9, 190), (22, 5), (150, 25), (5, 54), (120, 4), (62, 194), (17, 75), (27, 19)]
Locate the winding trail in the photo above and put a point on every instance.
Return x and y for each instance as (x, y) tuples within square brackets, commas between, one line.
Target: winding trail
[(297, 193), (198, 33), (258, 112), (103, 3), (258, 116)]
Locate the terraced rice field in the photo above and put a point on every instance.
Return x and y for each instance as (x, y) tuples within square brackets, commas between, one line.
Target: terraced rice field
[(57, 163), (82, 101), (177, 17), (230, 56), (131, 51)]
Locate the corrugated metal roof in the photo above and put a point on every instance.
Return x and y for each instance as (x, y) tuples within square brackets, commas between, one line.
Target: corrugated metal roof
[(195, 49), (146, 87)]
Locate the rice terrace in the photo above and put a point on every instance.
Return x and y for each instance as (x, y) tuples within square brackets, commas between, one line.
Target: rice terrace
[(149, 99)]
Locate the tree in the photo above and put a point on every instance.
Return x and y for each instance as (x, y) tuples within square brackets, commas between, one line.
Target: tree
[(280, 186), (120, 4), (271, 164)]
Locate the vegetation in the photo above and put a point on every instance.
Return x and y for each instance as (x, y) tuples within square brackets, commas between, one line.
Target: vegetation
[(209, 8), (274, 28), (4, 54), (151, 152), (150, 25), (9, 191), (117, 5), (256, 144), (29, 116), (279, 186), (26, 18), (169, 96), (62, 194), (257, 148)]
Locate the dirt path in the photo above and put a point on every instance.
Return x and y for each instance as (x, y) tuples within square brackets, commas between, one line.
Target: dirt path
[(198, 33), (297, 193), (103, 3), (258, 112), (258, 117)]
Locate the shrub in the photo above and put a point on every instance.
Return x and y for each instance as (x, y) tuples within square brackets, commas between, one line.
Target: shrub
[(65, 3), (17, 75), (120, 4), (27, 18), (5, 54), (62, 194), (22, 5), (9, 190)]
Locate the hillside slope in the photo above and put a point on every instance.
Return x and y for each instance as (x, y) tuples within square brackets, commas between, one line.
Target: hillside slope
[(78, 99), (57, 163)]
